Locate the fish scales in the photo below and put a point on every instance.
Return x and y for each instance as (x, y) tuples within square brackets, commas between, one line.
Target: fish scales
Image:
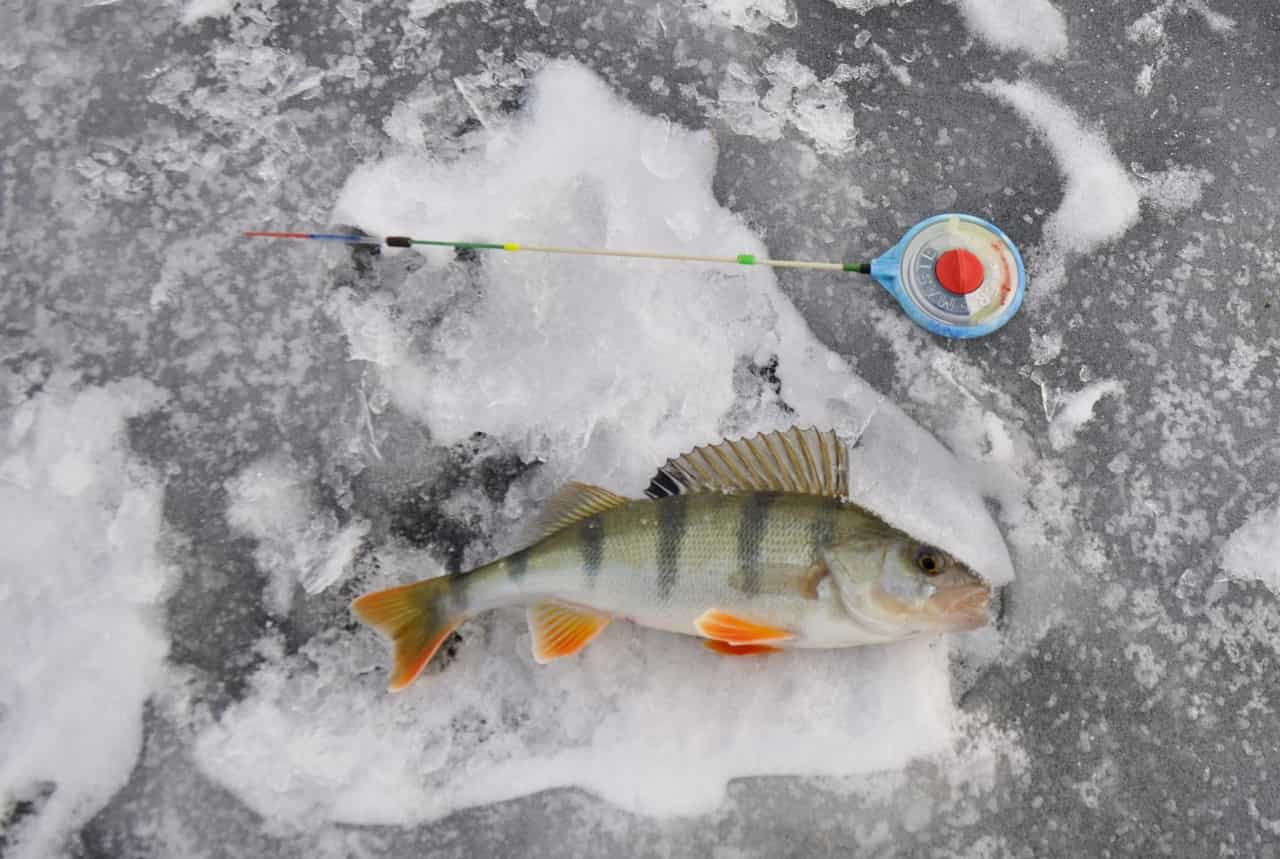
[(726, 549)]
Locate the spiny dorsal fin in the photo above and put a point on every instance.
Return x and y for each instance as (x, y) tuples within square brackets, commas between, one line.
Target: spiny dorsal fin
[(798, 461), (573, 503)]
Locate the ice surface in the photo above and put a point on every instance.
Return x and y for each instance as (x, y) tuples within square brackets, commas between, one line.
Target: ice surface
[(601, 369), (82, 584), (297, 542), (1123, 704), (1035, 27)]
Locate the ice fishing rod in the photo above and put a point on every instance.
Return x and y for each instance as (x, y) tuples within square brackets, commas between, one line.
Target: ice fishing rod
[(956, 275)]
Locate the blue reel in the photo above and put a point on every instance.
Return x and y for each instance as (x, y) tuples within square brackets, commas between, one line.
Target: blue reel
[(956, 275)]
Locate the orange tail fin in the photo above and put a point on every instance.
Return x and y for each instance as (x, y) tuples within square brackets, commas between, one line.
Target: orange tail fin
[(415, 618)]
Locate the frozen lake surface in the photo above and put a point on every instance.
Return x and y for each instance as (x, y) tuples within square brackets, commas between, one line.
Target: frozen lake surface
[(209, 445)]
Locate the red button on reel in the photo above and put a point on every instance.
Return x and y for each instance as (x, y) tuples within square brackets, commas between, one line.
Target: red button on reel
[(959, 271)]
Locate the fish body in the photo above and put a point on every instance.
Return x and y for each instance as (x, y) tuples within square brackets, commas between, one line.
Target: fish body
[(764, 555)]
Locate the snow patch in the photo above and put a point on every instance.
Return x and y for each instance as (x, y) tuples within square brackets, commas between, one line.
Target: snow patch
[(81, 621), (1035, 27), (601, 369), (1099, 203), (298, 543), (1175, 190)]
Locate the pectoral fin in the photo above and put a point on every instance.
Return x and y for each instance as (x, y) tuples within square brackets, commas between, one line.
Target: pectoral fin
[(559, 630), (737, 631)]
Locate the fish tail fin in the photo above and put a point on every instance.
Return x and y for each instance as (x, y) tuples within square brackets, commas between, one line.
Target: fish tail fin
[(416, 618)]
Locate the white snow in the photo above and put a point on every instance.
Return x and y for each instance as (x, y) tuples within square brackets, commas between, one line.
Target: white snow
[(1099, 202), (297, 542), (81, 620), (1253, 551), (1035, 27), (602, 369), (1074, 410)]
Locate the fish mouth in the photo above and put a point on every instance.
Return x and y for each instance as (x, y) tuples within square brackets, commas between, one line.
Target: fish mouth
[(962, 608)]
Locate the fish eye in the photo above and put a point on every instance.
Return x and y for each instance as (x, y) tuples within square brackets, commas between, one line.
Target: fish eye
[(929, 561)]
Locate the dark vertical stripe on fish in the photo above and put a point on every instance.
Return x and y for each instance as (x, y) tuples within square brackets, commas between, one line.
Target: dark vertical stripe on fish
[(672, 518), (592, 533), (517, 564), (822, 531), (753, 521)]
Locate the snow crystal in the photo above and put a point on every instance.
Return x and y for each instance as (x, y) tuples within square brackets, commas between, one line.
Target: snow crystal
[(1099, 202), (602, 370), (297, 542), (1035, 27), (81, 617)]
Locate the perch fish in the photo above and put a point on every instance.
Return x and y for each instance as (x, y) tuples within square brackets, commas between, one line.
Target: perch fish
[(750, 544)]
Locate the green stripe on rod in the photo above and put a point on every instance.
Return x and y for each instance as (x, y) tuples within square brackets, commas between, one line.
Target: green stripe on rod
[(746, 259)]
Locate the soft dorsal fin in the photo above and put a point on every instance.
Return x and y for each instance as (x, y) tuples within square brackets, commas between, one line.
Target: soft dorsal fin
[(573, 503), (798, 461)]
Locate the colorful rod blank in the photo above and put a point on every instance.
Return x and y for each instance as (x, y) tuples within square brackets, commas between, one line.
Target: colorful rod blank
[(405, 241)]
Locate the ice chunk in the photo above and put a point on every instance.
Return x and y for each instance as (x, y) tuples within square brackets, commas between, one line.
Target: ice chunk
[(1253, 551), (81, 615), (1035, 27), (793, 95), (1076, 409), (198, 10), (602, 369), (754, 16), (297, 542)]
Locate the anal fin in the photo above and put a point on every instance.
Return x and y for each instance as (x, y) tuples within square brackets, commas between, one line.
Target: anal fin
[(726, 649), (722, 626), (560, 630)]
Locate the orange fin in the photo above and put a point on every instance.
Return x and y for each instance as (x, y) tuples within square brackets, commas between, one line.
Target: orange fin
[(731, 629), (727, 649), (559, 630), (412, 616)]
